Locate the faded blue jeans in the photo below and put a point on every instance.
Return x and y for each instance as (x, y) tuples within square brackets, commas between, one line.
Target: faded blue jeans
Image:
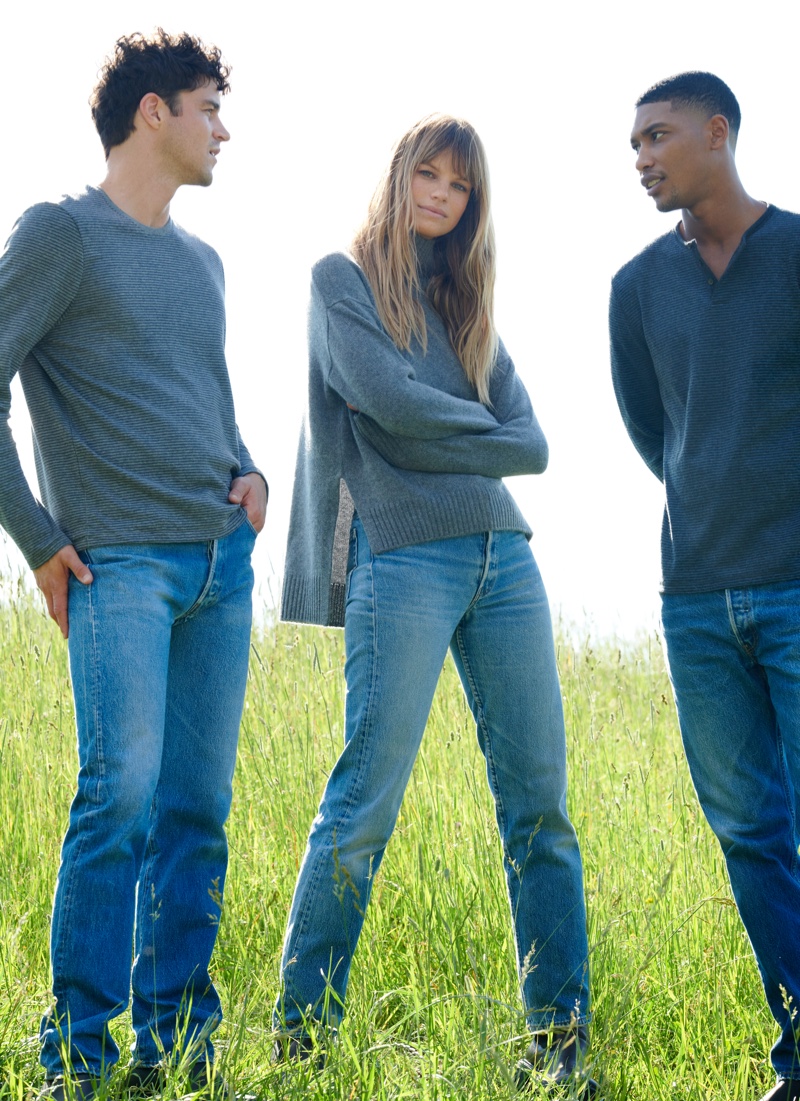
[(158, 648), (734, 660), (480, 595)]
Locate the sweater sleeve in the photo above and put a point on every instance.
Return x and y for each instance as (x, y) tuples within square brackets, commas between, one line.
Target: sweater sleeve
[(516, 446), (40, 270), (369, 373), (246, 464), (636, 385)]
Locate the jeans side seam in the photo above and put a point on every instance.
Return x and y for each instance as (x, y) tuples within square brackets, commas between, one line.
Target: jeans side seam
[(300, 929), (787, 792), (98, 711), (351, 802), (145, 884)]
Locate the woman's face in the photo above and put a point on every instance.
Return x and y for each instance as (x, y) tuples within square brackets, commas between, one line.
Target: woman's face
[(440, 195)]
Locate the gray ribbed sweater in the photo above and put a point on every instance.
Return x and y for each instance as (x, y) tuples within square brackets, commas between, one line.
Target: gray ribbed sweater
[(707, 374), (421, 460), (117, 331)]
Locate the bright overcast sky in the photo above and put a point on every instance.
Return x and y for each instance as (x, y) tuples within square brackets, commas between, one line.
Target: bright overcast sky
[(320, 92)]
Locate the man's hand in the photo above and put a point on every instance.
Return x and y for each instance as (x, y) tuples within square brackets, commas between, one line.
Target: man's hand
[(250, 491), (53, 579)]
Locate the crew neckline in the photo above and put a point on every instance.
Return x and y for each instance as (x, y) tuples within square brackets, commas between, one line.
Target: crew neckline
[(166, 228)]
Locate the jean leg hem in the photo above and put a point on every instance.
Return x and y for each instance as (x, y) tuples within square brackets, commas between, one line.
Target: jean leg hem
[(545, 1023)]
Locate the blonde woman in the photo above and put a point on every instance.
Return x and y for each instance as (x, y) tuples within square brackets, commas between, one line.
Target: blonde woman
[(403, 532)]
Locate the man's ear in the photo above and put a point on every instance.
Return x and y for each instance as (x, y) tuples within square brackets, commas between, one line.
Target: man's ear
[(151, 110), (718, 130)]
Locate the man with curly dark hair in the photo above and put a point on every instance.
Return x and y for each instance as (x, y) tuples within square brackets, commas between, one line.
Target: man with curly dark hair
[(168, 66), (114, 319)]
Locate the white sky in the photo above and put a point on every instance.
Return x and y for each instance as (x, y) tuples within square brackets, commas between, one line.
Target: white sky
[(320, 93)]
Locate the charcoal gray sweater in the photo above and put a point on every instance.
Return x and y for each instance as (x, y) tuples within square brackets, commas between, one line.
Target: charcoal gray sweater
[(422, 458), (117, 331), (707, 375)]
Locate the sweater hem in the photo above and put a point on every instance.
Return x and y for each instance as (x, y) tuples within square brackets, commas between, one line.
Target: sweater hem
[(711, 584), (182, 531), (392, 525), (312, 600)]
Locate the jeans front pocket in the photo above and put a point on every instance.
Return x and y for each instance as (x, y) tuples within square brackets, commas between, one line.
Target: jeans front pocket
[(249, 524)]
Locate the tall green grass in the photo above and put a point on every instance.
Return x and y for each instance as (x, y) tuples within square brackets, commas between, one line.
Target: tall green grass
[(433, 1007)]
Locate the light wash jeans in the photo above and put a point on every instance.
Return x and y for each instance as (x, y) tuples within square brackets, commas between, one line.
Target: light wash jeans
[(158, 649), (482, 596), (734, 660)]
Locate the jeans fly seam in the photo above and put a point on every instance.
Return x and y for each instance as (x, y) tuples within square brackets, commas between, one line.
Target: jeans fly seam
[(745, 647), (212, 566), (480, 592)]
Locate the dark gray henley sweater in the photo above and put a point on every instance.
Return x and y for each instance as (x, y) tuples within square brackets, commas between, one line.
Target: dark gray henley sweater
[(117, 331), (707, 375), (421, 460)]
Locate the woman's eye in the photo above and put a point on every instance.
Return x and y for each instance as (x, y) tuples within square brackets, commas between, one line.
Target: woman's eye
[(461, 187), (426, 172)]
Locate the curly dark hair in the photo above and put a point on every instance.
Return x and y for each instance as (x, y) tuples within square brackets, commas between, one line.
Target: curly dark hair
[(698, 90), (162, 63)]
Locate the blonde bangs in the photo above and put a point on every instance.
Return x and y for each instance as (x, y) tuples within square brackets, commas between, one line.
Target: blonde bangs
[(463, 294)]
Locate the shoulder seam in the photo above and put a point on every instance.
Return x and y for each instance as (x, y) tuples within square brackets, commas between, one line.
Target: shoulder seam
[(345, 297)]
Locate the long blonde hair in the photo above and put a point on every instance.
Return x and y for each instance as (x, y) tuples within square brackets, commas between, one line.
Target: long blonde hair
[(461, 289)]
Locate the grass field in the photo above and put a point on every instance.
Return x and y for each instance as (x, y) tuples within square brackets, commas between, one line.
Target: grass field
[(433, 1004)]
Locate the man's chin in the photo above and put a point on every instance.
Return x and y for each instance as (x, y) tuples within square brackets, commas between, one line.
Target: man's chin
[(204, 179), (667, 203)]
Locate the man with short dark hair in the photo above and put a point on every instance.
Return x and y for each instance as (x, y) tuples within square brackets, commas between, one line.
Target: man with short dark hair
[(114, 318), (705, 347)]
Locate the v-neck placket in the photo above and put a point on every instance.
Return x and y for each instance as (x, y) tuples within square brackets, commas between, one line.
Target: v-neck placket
[(717, 286)]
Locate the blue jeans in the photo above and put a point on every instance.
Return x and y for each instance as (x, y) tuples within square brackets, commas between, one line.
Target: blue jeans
[(480, 595), (734, 660), (158, 649)]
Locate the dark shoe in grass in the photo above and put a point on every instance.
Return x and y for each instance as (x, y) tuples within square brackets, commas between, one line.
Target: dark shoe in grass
[(77, 1087), (554, 1064), (210, 1085), (298, 1049), (787, 1089), (145, 1081)]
